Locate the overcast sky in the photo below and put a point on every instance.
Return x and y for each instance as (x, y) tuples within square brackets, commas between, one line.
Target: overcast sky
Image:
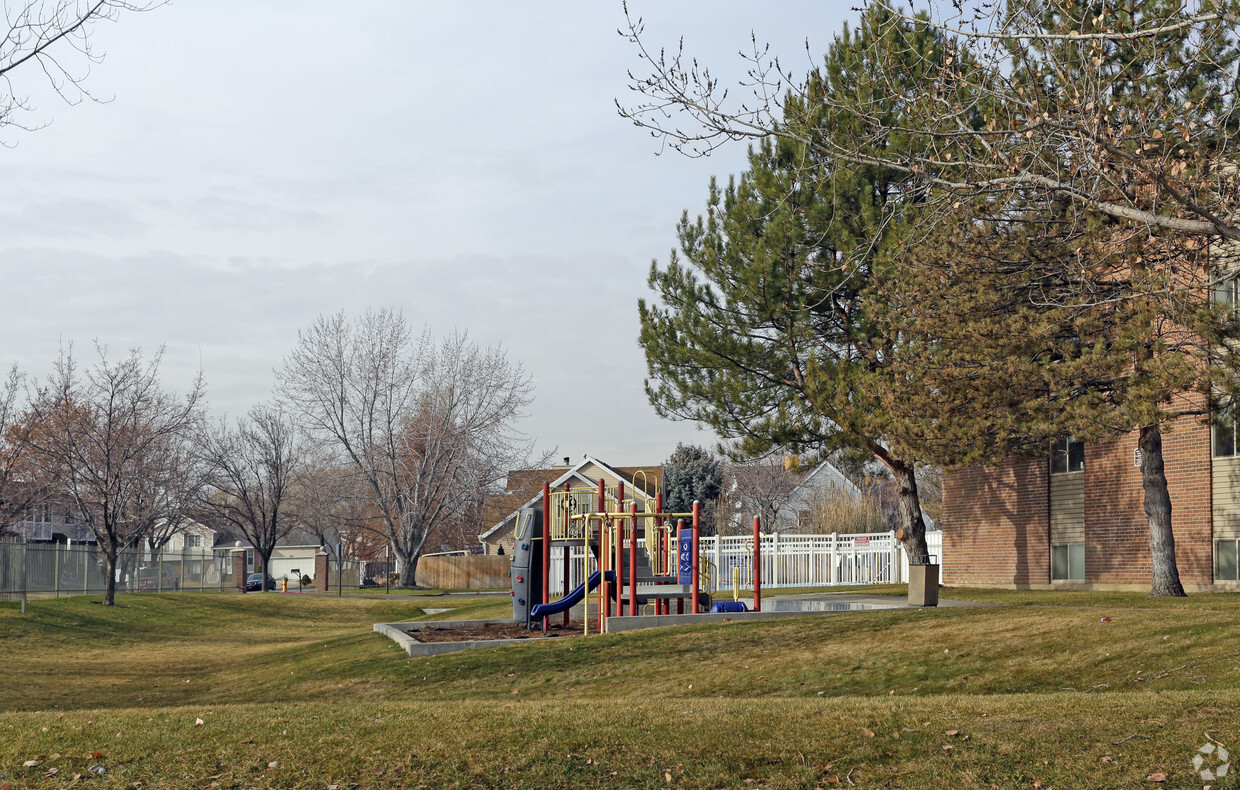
[(262, 163)]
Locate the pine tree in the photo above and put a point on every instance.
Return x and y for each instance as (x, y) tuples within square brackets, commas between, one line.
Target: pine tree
[(691, 474), (760, 329)]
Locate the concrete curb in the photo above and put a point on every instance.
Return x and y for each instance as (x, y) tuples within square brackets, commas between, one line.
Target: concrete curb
[(397, 633)]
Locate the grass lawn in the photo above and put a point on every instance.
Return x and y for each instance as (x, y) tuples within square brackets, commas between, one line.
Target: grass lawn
[(295, 691)]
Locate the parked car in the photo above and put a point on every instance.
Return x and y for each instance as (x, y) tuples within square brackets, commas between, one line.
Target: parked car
[(163, 578), (254, 582)]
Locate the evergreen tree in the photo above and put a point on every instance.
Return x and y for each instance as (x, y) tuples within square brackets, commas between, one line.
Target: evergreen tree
[(761, 330), (691, 474)]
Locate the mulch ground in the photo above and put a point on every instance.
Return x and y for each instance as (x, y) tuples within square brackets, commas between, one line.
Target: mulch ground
[(483, 631)]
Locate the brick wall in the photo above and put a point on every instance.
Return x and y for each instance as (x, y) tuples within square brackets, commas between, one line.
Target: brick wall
[(996, 524), (1117, 533), (996, 519)]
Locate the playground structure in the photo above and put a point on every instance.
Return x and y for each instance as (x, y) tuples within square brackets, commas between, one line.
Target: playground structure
[(643, 558)]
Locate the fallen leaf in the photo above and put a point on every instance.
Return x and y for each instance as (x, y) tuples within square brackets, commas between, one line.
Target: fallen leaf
[(867, 733), (97, 755), (667, 777), (199, 722), (948, 748), (273, 764), (952, 733), (1037, 784), (52, 771), (1156, 777), (1106, 758), (55, 756), (30, 764)]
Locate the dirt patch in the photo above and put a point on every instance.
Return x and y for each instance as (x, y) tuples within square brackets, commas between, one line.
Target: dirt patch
[(485, 631)]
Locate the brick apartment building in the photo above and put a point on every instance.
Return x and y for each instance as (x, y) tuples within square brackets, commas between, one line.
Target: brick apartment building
[(1075, 517)]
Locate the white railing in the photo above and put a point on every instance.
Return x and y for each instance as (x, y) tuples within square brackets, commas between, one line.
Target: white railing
[(787, 560)]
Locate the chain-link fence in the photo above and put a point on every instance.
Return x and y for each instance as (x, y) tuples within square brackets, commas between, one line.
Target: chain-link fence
[(50, 570)]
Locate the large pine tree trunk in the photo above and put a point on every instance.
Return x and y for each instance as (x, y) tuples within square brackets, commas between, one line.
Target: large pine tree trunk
[(912, 526), (1166, 576)]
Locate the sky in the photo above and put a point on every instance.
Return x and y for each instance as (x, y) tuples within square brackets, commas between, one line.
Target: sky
[(251, 166)]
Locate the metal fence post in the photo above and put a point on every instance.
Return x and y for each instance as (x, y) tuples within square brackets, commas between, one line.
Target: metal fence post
[(56, 569), (25, 560)]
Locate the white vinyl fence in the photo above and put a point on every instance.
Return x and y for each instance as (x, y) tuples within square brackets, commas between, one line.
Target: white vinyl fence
[(788, 560)]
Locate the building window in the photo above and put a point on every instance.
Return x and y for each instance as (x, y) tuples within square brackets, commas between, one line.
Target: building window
[(1227, 293), (1068, 562), (1067, 455), (1224, 424), (1226, 560), (193, 541)]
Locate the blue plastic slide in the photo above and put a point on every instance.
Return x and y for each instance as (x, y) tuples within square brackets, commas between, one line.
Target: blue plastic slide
[(573, 598)]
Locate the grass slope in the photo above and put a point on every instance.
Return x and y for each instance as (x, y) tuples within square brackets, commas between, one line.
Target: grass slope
[(296, 692)]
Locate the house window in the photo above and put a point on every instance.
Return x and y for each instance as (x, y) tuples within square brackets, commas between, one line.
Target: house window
[(249, 560), (1068, 562), (1226, 560), (193, 541), (1067, 455)]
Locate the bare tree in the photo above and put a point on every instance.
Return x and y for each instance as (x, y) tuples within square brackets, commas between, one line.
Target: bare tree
[(252, 469), (763, 487), (18, 488), (54, 39), (425, 423), (99, 438)]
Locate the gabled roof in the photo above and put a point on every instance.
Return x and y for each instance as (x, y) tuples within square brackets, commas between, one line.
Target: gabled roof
[(826, 472), (528, 483)]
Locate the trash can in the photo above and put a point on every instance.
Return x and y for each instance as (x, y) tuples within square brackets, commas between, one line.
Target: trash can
[(923, 584)]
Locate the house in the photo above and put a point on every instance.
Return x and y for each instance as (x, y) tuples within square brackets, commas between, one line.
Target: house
[(192, 538), (293, 556), (824, 481), (524, 489), (52, 521), (1074, 516)]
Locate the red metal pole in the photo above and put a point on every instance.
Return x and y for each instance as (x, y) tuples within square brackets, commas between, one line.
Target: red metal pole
[(697, 532), (757, 564), (619, 561), (633, 561), (546, 548)]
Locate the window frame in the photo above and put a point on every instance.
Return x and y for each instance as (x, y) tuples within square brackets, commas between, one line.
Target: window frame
[(1073, 560), (1223, 434), (1221, 547), (1070, 451)]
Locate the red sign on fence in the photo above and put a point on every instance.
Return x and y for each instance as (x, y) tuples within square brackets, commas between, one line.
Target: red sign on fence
[(861, 540)]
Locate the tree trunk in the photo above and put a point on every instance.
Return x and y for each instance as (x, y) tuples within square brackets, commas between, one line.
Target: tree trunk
[(109, 584), (1166, 576), (265, 557), (912, 531), (409, 567)]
